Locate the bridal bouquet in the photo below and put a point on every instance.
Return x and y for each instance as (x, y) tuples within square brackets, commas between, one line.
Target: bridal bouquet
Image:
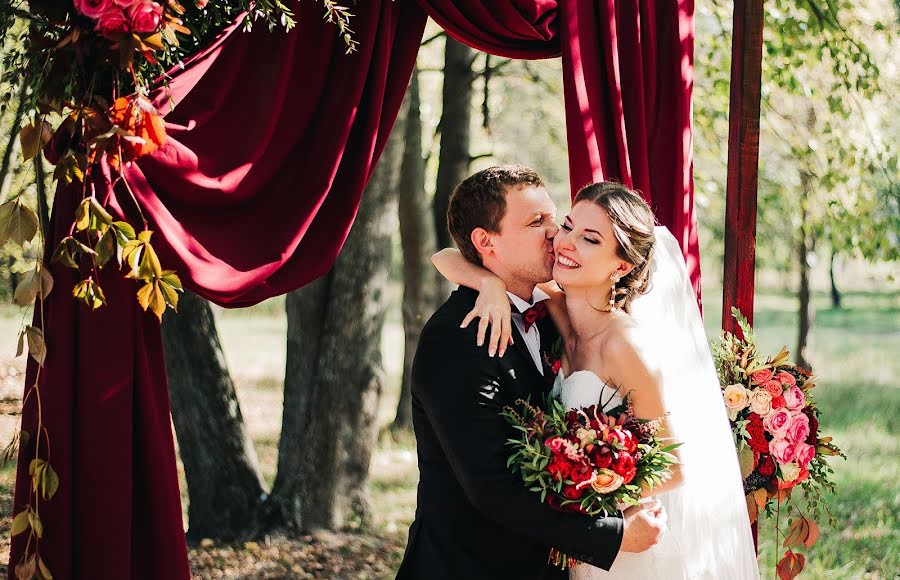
[(776, 428), (586, 460)]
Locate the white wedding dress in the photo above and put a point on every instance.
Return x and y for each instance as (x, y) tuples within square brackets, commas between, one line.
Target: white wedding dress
[(708, 533)]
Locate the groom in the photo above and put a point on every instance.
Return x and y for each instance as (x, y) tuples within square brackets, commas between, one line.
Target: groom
[(474, 518)]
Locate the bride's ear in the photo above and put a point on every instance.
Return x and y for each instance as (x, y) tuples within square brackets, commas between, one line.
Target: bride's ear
[(482, 240), (623, 269)]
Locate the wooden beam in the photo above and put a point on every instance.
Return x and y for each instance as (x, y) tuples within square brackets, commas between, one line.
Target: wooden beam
[(743, 168), (743, 162)]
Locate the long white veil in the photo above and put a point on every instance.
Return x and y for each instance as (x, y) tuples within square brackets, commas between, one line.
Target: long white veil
[(709, 531)]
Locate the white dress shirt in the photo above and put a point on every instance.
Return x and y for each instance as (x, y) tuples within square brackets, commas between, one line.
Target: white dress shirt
[(532, 338)]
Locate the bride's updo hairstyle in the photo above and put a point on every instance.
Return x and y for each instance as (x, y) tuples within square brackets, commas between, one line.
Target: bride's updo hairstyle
[(633, 223)]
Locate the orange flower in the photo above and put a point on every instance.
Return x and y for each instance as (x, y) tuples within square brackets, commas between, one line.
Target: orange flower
[(144, 128)]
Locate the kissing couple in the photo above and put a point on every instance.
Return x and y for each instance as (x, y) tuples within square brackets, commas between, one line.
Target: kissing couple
[(612, 289)]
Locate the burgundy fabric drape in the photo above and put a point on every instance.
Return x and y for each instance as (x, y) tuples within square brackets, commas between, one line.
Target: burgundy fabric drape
[(628, 78), (271, 141)]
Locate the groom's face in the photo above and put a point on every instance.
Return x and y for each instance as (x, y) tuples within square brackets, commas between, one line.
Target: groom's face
[(523, 250)]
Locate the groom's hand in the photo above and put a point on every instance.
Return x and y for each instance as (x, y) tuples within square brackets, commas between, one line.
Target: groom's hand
[(644, 525)]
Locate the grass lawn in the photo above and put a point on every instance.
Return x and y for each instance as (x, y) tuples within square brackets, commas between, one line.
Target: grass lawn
[(854, 354)]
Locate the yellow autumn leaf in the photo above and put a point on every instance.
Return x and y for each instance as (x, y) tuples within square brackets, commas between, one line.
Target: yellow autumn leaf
[(18, 222)]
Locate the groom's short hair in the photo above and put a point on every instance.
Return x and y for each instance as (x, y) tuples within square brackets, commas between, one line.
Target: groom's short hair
[(479, 201)]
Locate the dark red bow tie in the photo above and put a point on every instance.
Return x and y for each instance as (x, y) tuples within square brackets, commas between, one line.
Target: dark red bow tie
[(533, 314)]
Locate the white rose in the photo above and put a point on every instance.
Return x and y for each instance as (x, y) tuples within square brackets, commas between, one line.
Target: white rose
[(789, 472)]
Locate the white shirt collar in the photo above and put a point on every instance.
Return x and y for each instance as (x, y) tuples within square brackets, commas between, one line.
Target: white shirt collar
[(521, 305)]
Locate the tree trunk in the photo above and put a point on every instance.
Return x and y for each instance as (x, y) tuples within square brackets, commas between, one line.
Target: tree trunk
[(805, 248), (334, 374), (454, 159), (6, 162), (835, 293), (223, 478), (417, 242)]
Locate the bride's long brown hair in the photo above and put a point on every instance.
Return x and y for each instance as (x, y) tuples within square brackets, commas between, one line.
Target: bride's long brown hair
[(633, 223)]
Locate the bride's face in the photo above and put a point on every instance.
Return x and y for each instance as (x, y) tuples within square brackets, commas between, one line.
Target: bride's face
[(586, 249)]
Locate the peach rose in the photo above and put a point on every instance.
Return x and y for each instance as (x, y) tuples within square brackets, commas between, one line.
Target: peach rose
[(774, 388), (736, 400), (606, 481), (786, 379), (761, 376), (794, 398), (761, 402)]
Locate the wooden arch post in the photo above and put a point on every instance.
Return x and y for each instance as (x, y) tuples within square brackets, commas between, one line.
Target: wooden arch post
[(743, 166), (743, 162)]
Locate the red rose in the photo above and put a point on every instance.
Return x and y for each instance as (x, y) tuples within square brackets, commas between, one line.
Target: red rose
[(580, 472), (624, 466), (560, 468), (557, 364), (616, 438), (601, 456), (778, 402), (766, 465), (631, 442), (813, 436), (572, 492), (554, 501)]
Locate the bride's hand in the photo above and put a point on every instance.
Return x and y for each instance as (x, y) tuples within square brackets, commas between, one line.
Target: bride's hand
[(492, 307)]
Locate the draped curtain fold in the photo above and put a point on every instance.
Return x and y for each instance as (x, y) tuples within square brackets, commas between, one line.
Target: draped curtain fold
[(272, 137)]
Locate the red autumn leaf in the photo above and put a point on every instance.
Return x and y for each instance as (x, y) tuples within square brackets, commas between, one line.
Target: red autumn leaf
[(813, 534), (790, 565)]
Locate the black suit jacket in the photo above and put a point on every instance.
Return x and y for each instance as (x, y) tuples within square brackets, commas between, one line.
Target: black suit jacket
[(474, 518)]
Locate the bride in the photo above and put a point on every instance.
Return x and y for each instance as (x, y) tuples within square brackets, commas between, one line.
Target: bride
[(629, 322)]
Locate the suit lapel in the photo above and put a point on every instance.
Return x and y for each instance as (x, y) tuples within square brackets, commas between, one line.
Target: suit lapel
[(526, 362)]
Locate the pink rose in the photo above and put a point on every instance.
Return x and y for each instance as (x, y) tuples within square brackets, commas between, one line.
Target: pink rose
[(786, 379), (145, 17), (782, 450), (777, 423), (773, 388), (798, 430), (112, 23), (794, 398), (93, 8), (761, 376), (805, 454)]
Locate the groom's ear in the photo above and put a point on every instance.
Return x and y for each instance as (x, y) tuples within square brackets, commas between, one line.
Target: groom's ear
[(483, 242)]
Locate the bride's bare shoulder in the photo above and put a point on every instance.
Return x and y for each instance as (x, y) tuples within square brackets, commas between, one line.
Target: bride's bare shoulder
[(627, 345)]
